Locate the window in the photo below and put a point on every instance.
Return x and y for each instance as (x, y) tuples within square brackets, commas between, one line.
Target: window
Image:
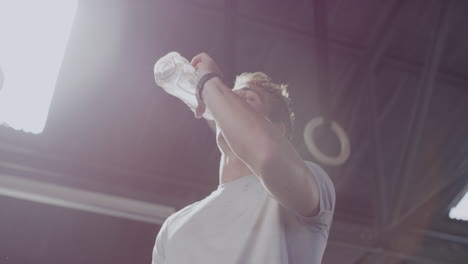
[(33, 37), (460, 211)]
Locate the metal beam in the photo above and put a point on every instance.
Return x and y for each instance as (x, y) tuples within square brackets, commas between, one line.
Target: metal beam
[(458, 180), (363, 78), (84, 200), (362, 238), (448, 77), (425, 89), (321, 53), (230, 30), (61, 170), (415, 128), (384, 252), (379, 40)]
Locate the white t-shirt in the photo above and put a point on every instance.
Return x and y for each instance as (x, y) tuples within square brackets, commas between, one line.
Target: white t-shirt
[(242, 223)]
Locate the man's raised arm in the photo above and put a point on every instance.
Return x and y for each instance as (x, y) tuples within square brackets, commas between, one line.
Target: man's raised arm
[(259, 143)]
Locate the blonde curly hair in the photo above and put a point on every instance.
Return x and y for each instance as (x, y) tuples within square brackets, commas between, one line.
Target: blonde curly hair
[(281, 109)]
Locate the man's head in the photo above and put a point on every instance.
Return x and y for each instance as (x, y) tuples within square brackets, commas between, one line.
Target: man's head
[(268, 97)]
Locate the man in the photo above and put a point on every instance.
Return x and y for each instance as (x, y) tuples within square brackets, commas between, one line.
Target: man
[(271, 206)]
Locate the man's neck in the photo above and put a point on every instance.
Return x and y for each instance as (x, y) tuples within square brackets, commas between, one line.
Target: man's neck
[(232, 168)]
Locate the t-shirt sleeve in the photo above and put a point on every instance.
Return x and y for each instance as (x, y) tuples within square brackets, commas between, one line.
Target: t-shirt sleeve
[(322, 220), (158, 250)]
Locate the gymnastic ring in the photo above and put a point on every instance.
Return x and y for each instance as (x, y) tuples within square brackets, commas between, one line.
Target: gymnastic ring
[(345, 147)]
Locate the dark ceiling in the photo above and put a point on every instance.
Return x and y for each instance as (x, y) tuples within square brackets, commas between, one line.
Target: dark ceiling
[(397, 83)]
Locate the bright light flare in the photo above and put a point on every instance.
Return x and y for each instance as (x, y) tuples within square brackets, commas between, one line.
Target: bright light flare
[(460, 211), (33, 37)]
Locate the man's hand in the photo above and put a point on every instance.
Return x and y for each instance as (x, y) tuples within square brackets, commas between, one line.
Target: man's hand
[(204, 64)]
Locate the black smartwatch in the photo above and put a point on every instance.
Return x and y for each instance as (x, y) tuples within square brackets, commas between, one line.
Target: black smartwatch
[(203, 80)]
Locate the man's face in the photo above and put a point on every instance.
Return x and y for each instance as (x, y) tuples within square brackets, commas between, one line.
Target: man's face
[(256, 97)]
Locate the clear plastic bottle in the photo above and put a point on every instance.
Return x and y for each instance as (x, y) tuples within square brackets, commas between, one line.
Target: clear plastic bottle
[(178, 77)]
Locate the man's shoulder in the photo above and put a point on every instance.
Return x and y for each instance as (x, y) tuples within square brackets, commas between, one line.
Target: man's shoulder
[(182, 213), (326, 185), (319, 172)]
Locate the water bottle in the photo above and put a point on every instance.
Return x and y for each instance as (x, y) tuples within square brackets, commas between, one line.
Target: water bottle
[(178, 77)]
